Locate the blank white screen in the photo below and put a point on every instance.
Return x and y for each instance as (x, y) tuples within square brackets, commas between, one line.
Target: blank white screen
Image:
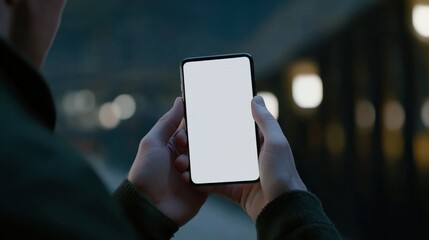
[(221, 130)]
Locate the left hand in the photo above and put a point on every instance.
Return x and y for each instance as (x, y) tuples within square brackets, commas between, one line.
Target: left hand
[(154, 174)]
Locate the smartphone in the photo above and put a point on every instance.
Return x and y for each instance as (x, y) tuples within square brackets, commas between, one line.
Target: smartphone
[(222, 135)]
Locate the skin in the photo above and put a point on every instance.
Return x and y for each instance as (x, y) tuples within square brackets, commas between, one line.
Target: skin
[(160, 167), (163, 151), (31, 26), (153, 171), (278, 173)]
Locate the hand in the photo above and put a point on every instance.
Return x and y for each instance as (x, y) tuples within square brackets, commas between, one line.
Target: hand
[(277, 168), (154, 174)]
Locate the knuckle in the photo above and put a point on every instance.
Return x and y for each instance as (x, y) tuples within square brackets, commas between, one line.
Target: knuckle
[(145, 142), (169, 125), (163, 118)]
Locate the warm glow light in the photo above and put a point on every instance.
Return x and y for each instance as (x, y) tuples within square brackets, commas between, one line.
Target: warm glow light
[(108, 115), (392, 146), (421, 151), (307, 90), (127, 106), (365, 114), (335, 138), (424, 114), (393, 115), (420, 20), (271, 102)]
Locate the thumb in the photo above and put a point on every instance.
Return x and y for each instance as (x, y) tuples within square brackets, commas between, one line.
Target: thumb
[(266, 122), (168, 124)]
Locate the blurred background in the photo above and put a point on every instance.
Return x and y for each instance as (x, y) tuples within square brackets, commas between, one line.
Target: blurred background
[(348, 81)]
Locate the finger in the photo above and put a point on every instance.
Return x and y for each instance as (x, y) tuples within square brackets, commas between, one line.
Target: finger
[(186, 176), (180, 141), (167, 124), (181, 163), (266, 122), (182, 124)]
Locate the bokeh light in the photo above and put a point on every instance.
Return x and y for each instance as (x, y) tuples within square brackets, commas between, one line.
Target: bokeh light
[(108, 115), (271, 102), (307, 90), (392, 146), (126, 106), (421, 150), (393, 115), (335, 138), (424, 113), (79, 102), (420, 18), (364, 114)]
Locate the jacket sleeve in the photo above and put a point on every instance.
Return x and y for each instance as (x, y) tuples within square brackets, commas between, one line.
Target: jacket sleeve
[(48, 189), (295, 215), (149, 222)]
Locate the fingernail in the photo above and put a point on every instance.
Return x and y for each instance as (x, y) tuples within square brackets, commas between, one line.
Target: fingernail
[(259, 100), (177, 100)]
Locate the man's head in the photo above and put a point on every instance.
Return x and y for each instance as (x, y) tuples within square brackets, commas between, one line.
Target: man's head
[(30, 25)]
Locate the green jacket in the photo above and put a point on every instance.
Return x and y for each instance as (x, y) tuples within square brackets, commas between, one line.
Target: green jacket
[(48, 190)]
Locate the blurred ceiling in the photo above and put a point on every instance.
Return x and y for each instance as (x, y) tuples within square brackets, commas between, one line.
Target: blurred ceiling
[(146, 40)]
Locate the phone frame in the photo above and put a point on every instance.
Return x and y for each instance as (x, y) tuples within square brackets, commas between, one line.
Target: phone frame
[(182, 85)]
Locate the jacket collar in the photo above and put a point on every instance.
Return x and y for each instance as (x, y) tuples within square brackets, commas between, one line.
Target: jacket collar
[(27, 84)]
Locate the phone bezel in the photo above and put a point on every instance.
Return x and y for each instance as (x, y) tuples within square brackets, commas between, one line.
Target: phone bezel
[(216, 57)]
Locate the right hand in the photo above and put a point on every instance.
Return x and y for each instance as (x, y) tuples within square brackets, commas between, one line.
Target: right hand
[(153, 172), (278, 173)]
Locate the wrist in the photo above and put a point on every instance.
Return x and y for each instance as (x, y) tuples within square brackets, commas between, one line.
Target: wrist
[(146, 218), (142, 190), (282, 187)]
